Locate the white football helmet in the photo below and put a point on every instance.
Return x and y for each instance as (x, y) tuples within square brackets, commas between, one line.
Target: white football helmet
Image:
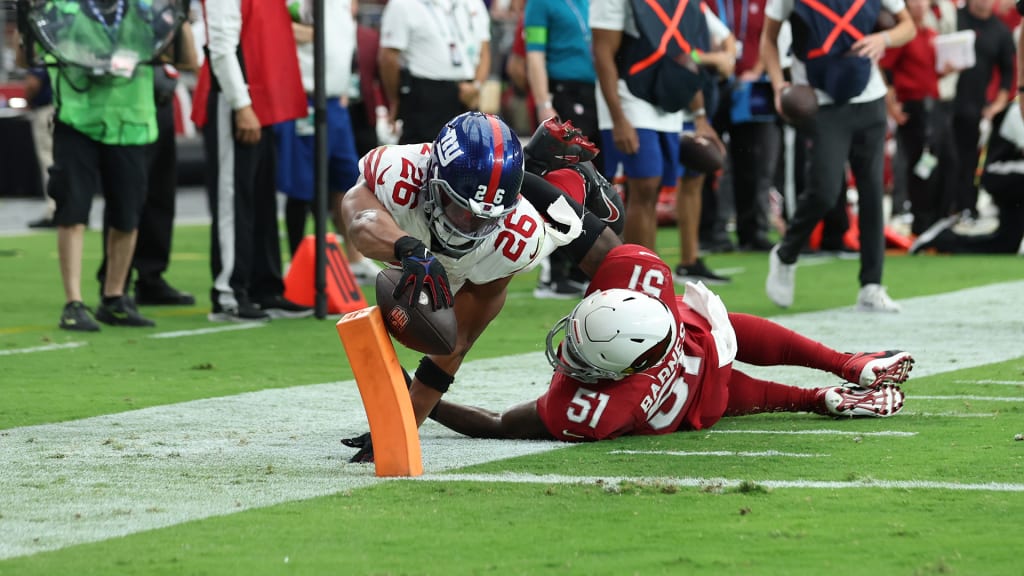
[(612, 334)]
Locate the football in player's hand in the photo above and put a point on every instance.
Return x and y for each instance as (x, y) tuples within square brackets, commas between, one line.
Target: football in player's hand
[(799, 103), (418, 327), (699, 153)]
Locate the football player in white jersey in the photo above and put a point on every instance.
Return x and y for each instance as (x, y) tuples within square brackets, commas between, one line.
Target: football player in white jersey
[(452, 214)]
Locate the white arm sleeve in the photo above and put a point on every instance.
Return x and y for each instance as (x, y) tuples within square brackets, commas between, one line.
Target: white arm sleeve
[(719, 31), (224, 32)]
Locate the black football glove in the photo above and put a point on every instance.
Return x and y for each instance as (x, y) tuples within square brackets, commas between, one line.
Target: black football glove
[(602, 199), (556, 145), (365, 445), (421, 270)]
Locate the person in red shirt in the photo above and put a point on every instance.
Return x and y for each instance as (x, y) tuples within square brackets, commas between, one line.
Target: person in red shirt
[(249, 82), (913, 91), (637, 359)]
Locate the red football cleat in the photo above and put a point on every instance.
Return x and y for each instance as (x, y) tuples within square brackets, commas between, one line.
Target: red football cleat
[(881, 402), (872, 369)]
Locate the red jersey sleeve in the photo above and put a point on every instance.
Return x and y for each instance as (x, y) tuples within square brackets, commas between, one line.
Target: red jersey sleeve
[(570, 182), (636, 268), (572, 412)]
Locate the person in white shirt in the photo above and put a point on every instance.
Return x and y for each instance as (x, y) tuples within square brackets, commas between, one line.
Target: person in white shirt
[(434, 57), (850, 125)]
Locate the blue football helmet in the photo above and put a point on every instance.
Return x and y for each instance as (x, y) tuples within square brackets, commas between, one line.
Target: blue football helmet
[(473, 181)]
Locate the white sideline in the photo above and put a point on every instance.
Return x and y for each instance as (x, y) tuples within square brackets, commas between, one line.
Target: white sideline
[(108, 476)]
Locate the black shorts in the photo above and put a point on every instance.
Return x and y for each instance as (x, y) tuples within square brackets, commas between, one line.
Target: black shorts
[(83, 168), (425, 106)]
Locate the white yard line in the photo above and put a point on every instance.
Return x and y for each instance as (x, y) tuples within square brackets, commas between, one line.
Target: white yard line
[(108, 476), (728, 453), (949, 414), (972, 397), (613, 481), (212, 330), (815, 432), (47, 348), (998, 382)]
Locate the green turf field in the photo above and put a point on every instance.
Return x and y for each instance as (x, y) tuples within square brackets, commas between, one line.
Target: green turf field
[(176, 450)]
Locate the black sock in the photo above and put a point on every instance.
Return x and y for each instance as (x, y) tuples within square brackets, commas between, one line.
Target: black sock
[(108, 300)]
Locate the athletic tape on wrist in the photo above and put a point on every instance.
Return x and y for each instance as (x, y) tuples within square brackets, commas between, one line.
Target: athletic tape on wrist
[(432, 376)]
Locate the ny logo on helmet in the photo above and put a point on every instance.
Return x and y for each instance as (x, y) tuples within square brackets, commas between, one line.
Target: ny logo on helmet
[(450, 149)]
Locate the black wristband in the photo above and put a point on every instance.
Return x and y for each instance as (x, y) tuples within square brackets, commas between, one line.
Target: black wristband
[(407, 245), (592, 229), (432, 376), (1020, 90)]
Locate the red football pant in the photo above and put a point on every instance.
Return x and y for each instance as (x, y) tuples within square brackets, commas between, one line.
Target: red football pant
[(762, 342)]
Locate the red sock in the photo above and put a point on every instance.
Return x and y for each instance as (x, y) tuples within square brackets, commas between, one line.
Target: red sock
[(764, 343), (749, 395)]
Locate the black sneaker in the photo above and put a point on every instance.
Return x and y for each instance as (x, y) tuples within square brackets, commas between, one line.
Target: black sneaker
[(159, 293), (76, 317), (242, 312), (559, 290), (44, 222), (279, 307), (122, 312), (698, 272)]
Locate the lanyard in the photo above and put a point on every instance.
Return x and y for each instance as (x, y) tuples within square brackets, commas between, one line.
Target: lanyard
[(579, 20), (725, 9), (450, 24), (111, 29)]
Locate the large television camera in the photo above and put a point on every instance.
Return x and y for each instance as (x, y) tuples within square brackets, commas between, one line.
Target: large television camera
[(105, 37)]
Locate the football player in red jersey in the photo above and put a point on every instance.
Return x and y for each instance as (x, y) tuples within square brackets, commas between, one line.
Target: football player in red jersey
[(638, 359)]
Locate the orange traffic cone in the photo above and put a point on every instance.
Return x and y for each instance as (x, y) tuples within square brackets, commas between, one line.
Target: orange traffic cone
[(343, 292)]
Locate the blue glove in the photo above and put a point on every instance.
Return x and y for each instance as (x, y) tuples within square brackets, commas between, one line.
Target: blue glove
[(422, 271)]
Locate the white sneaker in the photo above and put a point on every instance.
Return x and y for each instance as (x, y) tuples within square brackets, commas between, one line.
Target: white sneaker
[(873, 298), (781, 280), (884, 401), (365, 271)]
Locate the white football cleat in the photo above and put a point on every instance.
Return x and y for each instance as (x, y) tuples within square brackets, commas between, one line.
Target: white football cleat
[(882, 402)]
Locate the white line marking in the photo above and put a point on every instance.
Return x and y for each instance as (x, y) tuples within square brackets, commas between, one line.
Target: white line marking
[(214, 330), (819, 432), (612, 481), (46, 348), (766, 453), (1000, 382), (970, 397), (949, 414)]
